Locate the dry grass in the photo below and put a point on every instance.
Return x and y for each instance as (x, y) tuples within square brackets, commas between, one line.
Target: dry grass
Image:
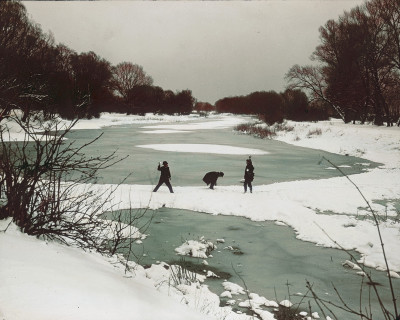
[(314, 132), (255, 130), (260, 130)]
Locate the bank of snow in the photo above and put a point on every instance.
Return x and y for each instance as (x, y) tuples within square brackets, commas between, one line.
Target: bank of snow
[(46, 281), (379, 144)]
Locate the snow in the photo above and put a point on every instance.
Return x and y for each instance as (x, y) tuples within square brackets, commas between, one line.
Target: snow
[(351, 265), (197, 249), (233, 288), (110, 119), (394, 274), (45, 280), (41, 280), (379, 144), (286, 303), (257, 301), (226, 294), (211, 274), (221, 123)]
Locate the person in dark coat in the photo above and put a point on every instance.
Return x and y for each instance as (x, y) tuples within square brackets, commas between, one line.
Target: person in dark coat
[(165, 176), (248, 175), (211, 178)]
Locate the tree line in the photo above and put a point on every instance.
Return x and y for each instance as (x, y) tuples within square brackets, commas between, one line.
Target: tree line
[(354, 75), (356, 65), (36, 74), (273, 107), (47, 183)]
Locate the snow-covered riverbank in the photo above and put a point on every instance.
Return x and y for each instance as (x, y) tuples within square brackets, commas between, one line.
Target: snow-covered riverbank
[(47, 281)]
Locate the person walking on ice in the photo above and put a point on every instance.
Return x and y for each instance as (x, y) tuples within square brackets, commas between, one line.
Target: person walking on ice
[(211, 178), (165, 176), (248, 175)]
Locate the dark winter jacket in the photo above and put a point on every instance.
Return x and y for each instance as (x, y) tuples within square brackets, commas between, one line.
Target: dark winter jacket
[(211, 177), (165, 173), (249, 172)]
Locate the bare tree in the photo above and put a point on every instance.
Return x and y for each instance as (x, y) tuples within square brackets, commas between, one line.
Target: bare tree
[(388, 12), (358, 63), (127, 75), (46, 180), (311, 80)]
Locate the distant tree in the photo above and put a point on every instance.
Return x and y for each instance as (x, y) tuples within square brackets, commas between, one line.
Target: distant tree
[(295, 105), (256, 102), (268, 105), (271, 110), (204, 106), (181, 102), (184, 102), (92, 76), (389, 12), (35, 74), (144, 98), (25, 60), (393, 99), (127, 75), (168, 102), (311, 79), (345, 73), (232, 104), (260, 101), (350, 49), (357, 70), (382, 59)]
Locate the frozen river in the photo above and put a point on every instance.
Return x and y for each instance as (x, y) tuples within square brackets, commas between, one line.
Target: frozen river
[(275, 161)]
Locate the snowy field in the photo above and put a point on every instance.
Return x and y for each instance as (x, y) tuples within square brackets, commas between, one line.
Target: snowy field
[(40, 280)]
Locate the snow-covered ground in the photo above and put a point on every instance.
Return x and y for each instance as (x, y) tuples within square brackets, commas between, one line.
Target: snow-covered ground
[(41, 280)]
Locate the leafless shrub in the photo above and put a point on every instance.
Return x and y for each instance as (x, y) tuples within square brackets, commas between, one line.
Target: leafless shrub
[(284, 126), (180, 275), (49, 186), (314, 132), (255, 130), (263, 131)]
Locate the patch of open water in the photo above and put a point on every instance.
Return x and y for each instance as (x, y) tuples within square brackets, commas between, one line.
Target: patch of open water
[(267, 257)]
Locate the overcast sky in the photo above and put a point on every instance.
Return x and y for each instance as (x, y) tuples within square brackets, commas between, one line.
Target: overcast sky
[(216, 49)]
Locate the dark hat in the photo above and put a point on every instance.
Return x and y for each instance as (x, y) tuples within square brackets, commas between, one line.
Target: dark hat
[(165, 162)]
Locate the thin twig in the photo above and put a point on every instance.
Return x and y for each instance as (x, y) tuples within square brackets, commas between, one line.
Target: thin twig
[(379, 233)]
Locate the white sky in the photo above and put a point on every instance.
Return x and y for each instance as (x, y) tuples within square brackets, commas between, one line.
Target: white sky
[(216, 49)]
